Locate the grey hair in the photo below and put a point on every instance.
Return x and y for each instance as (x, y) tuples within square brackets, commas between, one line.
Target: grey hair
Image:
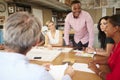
[(21, 31)]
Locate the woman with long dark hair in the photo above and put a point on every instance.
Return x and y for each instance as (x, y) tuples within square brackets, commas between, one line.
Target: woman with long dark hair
[(112, 30), (106, 43)]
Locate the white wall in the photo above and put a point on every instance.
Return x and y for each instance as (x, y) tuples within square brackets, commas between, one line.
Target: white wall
[(96, 42), (38, 13)]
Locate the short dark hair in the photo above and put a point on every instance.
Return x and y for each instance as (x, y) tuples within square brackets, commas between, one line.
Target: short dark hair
[(75, 2)]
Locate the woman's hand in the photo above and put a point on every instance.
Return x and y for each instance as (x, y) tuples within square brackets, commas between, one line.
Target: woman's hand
[(90, 50), (93, 67)]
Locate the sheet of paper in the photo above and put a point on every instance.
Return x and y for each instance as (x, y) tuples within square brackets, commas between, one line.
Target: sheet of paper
[(64, 50), (57, 71), (67, 49), (82, 67), (83, 54), (42, 54), (77, 51)]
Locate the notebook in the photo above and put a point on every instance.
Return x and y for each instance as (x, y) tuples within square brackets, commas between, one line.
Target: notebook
[(83, 54), (42, 55), (82, 67)]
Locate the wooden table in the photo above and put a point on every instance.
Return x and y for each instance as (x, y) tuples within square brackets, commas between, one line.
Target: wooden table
[(79, 75)]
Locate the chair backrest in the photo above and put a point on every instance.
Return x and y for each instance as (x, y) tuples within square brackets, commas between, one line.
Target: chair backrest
[(1, 36)]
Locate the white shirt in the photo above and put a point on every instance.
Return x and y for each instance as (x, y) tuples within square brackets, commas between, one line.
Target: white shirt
[(14, 66), (54, 40)]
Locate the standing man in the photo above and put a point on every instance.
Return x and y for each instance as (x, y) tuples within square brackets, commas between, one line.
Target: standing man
[(82, 24)]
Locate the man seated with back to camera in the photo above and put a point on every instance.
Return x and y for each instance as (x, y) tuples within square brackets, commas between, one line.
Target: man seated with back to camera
[(21, 33)]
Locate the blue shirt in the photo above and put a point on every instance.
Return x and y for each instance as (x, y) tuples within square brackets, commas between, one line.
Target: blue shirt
[(14, 66)]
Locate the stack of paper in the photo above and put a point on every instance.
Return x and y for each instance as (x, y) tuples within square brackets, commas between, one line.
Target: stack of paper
[(84, 54), (57, 71), (42, 55), (64, 50), (82, 67)]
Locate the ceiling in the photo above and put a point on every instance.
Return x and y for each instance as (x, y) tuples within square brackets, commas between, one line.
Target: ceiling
[(99, 3), (86, 4), (53, 4), (59, 6)]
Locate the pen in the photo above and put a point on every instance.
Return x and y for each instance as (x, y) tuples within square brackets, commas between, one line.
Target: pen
[(37, 57)]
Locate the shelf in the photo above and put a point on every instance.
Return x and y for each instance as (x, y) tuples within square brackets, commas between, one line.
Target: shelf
[(53, 4), (16, 7), (62, 24), (59, 18)]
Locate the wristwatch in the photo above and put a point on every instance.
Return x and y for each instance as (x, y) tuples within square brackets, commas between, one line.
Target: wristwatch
[(2, 7)]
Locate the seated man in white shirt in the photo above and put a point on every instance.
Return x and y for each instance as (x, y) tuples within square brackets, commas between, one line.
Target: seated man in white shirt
[(21, 33)]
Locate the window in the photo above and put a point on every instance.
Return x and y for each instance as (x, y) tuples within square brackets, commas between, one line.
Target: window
[(117, 10)]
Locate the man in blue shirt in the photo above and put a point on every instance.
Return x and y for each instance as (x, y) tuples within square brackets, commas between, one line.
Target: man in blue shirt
[(21, 33)]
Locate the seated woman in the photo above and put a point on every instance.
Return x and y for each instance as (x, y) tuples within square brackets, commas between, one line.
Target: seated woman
[(53, 37), (112, 30), (106, 43)]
